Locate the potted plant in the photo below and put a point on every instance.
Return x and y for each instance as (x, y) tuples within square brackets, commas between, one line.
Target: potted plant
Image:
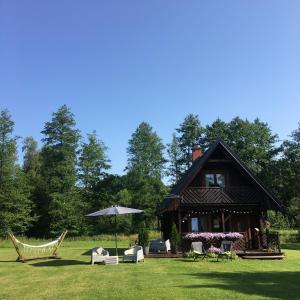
[(174, 239), (144, 239)]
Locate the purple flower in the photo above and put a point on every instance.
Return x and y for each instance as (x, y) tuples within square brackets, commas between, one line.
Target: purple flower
[(210, 236), (232, 236), (213, 249)]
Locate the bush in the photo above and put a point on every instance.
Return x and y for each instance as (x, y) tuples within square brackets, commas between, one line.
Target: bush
[(279, 220), (143, 237), (288, 236), (175, 238)]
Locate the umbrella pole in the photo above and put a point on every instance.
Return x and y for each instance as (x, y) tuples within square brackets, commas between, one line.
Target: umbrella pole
[(116, 235)]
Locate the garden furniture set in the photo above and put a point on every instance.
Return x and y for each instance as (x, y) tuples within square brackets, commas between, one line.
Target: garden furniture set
[(225, 251), (134, 254)]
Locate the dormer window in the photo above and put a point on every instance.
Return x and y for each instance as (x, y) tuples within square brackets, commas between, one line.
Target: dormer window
[(214, 180)]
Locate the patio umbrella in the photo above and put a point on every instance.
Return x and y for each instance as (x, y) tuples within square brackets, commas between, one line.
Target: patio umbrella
[(114, 211)]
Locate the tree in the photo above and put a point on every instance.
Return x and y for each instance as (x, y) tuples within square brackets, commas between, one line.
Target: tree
[(147, 194), (253, 142), (31, 158), (93, 161), (32, 168), (175, 170), (62, 207), (286, 175), (190, 133), (15, 205), (111, 190), (217, 130), (145, 152), (294, 210)]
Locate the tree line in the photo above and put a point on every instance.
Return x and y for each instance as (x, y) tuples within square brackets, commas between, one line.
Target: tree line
[(68, 176)]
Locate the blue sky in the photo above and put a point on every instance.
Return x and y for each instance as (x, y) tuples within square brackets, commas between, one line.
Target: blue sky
[(118, 63)]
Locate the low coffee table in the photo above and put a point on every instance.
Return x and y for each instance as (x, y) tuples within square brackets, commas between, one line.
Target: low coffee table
[(111, 260)]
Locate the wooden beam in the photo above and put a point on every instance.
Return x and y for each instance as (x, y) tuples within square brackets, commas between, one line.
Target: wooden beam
[(179, 221), (227, 218), (210, 223), (249, 231), (223, 222), (220, 160)]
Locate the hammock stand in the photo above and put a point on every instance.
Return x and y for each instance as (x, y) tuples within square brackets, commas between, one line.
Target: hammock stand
[(53, 246)]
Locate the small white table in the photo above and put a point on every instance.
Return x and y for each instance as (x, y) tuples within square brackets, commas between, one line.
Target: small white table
[(111, 260)]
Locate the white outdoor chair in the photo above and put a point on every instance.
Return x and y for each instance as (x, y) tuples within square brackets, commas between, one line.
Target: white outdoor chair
[(99, 255), (135, 254), (160, 246)]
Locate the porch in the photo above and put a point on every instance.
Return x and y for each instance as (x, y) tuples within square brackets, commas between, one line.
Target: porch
[(215, 209), (250, 254)]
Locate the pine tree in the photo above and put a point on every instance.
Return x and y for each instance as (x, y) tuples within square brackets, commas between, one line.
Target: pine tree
[(145, 170), (175, 170), (31, 158), (61, 199), (190, 133), (145, 152), (15, 205)]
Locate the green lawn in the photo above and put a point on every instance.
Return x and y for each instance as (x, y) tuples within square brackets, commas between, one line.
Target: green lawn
[(73, 277)]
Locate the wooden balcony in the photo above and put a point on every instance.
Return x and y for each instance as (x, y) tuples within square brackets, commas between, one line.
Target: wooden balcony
[(218, 196)]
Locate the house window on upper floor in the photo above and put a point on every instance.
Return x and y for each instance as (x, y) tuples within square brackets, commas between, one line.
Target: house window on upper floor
[(214, 180)]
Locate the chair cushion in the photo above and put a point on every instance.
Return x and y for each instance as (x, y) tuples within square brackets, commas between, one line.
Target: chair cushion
[(99, 251)]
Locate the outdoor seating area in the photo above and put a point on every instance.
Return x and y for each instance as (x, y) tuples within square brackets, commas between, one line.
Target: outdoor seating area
[(225, 251), (159, 245), (73, 276), (100, 255)]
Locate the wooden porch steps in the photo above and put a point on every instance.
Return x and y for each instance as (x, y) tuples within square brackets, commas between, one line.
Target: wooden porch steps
[(245, 255), (261, 255)]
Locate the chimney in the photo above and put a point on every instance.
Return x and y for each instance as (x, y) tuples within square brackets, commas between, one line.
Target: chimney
[(196, 152)]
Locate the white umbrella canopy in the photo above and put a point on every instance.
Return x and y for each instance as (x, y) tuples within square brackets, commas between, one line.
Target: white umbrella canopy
[(114, 211)]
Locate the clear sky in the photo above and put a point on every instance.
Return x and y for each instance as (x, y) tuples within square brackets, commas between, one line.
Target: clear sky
[(118, 63)]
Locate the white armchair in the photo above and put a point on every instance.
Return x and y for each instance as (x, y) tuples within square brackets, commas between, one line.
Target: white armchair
[(99, 255), (135, 254)]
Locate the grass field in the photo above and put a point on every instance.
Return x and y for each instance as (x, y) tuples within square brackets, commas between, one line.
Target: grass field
[(73, 277)]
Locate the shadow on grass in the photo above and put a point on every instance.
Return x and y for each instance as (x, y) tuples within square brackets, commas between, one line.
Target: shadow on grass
[(279, 285), (112, 251), (59, 263), (291, 246)]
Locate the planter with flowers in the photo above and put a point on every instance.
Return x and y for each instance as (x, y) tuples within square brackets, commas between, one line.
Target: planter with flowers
[(212, 239)]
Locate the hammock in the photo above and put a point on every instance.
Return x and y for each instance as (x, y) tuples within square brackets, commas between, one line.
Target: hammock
[(29, 252)]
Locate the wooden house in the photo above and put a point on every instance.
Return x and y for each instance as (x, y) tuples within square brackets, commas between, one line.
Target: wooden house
[(218, 193)]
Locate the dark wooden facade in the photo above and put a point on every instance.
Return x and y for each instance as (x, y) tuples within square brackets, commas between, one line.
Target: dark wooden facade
[(238, 204)]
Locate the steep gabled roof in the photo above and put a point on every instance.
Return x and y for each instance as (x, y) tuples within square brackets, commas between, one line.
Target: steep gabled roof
[(192, 172)]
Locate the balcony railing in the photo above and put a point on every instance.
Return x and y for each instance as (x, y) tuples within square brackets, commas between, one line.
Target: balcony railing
[(215, 195)]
